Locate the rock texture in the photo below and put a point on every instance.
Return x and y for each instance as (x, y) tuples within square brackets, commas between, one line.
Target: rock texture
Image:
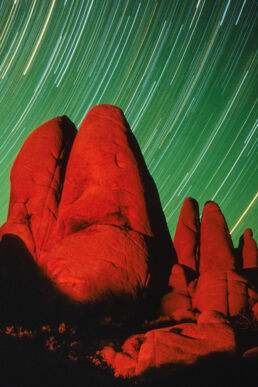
[(92, 232), (186, 239), (36, 183), (220, 287), (86, 233), (216, 248), (249, 251), (184, 343), (205, 291), (178, 298)]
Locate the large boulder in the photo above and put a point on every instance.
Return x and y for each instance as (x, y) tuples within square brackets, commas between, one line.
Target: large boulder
[(93, 223), (182, 344)]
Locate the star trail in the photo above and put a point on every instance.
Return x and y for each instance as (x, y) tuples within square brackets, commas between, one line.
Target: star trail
[(183, 72)]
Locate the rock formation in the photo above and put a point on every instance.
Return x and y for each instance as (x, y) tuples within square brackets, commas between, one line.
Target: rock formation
[(36, 183), (92, 233), (249, 252), (86, 235), (184, 343), (206, 299), (186, 239), (219, 287)]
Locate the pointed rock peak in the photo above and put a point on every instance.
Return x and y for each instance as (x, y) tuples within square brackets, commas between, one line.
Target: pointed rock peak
[(102, 178), (110, 112), (249, 251), (248, 233), (104, 227), (216, 248), (186, 238), (190, 214)]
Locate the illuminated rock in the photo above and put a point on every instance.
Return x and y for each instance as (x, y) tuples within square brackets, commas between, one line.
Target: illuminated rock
[(99, 247), (216, 248), (86, 210), (249, 251), (177, 301), (93, 223), (224, 291), (186, 239), (181, 344), (255, 310), (178, 298), (219, 287), (36, 183), (251, 353)]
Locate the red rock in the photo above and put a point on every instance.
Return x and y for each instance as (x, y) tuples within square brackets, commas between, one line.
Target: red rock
[(93, 232), (212, 316), (211, 292), (216, 248), (124, 362), (181, 344), (237, 294), (178, 297), (192, 287), (36, 182), (186, 239), (249, 251), (252, 297), (124, 365), (99, 248), (219, 287), (184, 314), (108, 354), (132, 345), (102, 182), (251, 353), (221, 291), (255, 310)]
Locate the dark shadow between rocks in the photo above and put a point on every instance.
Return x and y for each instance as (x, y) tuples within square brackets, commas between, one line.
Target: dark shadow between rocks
[(162, 253), (69, 133)]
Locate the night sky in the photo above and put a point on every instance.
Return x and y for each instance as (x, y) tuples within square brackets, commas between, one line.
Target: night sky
[(183, 72)]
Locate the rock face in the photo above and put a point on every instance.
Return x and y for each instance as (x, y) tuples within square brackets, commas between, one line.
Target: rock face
[(186, 239), (92, 232), (220, 287), (178, 297), (86, 231), (249, 251), (184, 343), (36, 182), (205, 291), (216, 248)]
